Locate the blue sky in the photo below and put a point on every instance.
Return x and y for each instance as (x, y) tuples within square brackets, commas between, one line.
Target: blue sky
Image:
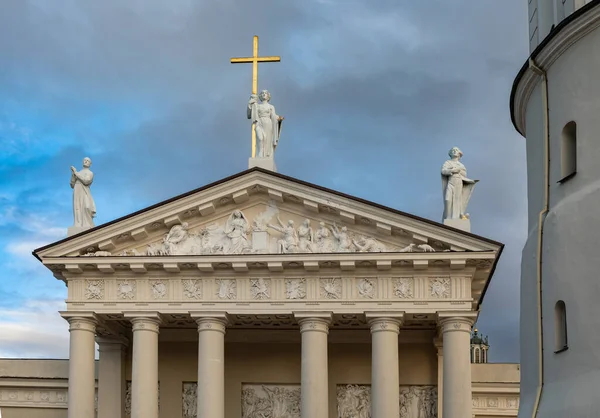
[(374, 95)]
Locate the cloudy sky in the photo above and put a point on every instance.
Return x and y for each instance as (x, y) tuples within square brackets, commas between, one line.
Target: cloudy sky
[(374, 93)]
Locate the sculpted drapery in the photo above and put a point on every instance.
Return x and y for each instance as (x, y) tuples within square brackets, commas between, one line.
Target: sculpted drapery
[(266, 123), (84, 208), (456, 187)]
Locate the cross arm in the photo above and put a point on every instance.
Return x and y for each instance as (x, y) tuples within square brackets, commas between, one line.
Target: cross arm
[(244, 60)]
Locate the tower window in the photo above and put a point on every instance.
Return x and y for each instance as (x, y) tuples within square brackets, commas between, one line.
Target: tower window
[(568, 151), (477, 355), (560, 327)]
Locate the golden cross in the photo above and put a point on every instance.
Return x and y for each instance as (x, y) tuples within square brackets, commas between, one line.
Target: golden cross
[(254, 59)]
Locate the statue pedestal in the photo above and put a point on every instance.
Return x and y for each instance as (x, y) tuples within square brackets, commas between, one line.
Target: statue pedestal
[(462, 224), (74, 230), (265, 163)]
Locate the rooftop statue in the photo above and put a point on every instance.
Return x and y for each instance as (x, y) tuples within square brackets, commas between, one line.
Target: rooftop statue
[(265, 122), (456, 187), (84, 208)]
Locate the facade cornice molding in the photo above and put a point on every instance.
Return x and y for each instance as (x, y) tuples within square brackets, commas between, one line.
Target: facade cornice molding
[(565, 35), (69, 267)]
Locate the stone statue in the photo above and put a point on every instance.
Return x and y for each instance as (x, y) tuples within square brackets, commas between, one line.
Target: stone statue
[(323, 241), (266, 123), (84, 208), (456, 187)]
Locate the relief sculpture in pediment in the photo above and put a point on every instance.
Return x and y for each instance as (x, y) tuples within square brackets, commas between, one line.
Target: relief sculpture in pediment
[(268, 233)]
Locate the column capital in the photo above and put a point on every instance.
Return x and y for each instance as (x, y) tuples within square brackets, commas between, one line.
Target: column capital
[(145, 324), (456, 321), (314, 321), (81, 321), (210, 321), (384, 321)]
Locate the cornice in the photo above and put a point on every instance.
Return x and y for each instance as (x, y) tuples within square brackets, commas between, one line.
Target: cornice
[(566, 34)]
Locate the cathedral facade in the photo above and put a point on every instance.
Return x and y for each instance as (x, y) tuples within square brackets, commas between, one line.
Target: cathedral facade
[(262, 295)]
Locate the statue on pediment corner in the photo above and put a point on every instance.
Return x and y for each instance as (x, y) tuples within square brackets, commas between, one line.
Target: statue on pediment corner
[(84, 207), (456, 186)]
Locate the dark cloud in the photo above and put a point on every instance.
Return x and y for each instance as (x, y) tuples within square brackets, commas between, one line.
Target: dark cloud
[(374, 94)]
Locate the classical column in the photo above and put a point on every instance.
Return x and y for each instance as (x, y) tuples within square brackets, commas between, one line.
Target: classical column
[(385, 375), (82, 379), (144, 373), (314, 328), (211, 364), (439, 346), (111, 377), (457, 397)]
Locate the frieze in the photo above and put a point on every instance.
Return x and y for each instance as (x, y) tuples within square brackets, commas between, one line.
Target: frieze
[(34, 398), (367, 288), (496, 402)]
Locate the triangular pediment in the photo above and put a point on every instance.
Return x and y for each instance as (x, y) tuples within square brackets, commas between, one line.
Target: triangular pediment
[(248, 214)]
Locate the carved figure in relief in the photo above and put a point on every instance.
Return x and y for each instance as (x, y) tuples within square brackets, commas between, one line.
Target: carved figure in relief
[(236, 230), (354, 401), (323, 241), (84, 208), (342, 240), (368, 245), (305, 237), (126, 290), (266, 123), (289, 242), (190, 400), (260, 222), (456, 187), (260, 288)]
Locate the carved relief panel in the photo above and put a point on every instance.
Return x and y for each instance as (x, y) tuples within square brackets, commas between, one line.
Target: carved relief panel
[(273, 401)]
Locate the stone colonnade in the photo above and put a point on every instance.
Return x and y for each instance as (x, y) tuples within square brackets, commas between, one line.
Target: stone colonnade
[(454, 392)]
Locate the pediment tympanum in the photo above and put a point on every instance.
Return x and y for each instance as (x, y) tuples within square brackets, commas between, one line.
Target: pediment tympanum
[(259, 212)]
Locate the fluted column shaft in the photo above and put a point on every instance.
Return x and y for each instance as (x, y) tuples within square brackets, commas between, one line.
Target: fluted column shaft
[(314, 390), (211, 366), (438, 342), (144, 375), (385, 377), (82, 379), (457, 397), (111, 378)]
